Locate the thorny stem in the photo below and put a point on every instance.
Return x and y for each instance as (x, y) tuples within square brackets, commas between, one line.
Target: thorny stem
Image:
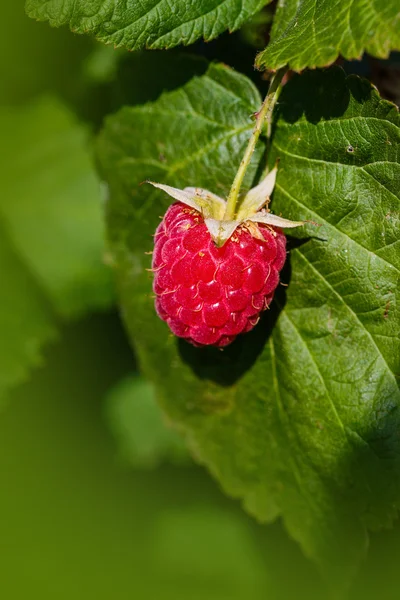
[(265, 113)]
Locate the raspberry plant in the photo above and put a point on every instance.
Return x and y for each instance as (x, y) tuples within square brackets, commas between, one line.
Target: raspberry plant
[(299, 417)]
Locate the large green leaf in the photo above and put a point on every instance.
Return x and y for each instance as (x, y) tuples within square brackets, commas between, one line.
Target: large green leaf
[(312, 33), (301, 416), (151, 23), (51, 204)]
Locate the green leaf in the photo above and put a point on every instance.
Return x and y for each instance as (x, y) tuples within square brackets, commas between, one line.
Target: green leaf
[(51, 204), (313, 33), (144, 438), (206, 122), (148, 24), (301, 416), (26, 323)]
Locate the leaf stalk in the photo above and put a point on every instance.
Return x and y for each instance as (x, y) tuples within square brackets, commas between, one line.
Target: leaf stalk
[(264, 114)]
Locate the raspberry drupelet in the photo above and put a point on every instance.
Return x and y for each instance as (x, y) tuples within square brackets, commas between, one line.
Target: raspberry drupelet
[(209, 294)]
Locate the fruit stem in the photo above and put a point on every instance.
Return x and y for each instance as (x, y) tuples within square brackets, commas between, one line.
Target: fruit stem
[(265, 113)]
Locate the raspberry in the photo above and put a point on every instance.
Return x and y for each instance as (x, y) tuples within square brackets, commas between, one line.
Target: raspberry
[(209, 294)]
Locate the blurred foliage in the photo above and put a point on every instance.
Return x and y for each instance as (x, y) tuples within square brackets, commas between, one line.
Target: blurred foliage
[(35, 58), (26, 321), (144, 437), (53, 212), (76, 525), (52, 247)]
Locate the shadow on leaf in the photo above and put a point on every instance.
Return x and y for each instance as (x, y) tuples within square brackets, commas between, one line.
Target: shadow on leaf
[(321, 95)]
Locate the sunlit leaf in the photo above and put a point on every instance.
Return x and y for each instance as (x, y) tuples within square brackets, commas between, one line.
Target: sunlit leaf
[(313, 33), (150, 24)]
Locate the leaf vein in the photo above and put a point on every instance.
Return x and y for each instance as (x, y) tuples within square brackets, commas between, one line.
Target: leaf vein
[(391, 265), (351, 311)]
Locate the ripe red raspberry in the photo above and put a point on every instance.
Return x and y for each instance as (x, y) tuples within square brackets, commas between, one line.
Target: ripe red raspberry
[(208, 295)]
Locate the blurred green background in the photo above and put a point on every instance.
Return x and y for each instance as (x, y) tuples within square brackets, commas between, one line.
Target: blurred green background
[(99, 499)]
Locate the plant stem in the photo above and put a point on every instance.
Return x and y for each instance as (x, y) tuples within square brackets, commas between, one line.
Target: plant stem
[(265, 113)]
